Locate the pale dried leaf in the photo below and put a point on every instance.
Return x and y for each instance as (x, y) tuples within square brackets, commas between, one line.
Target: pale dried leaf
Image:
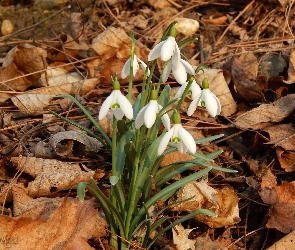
[(31, 102), (59, 76), (223, 202), (162, 4), (59, 231), (51, 176), (291, 69), (187, 26), (266, 114), (218, 83), (180, 238), (90, 143), (287, 242)]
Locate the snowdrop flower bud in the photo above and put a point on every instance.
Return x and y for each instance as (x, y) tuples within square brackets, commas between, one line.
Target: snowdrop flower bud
[(178, 135), (136, 62), (167, 49), (147, 115), (194, 90), (207, 99), (118, 103)]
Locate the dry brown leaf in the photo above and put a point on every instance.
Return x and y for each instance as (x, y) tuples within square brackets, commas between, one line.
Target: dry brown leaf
[(70, 222), (266, 114), (51, 176), (223, 202), (180, 238), (218, 82), (187, 26), (114, 46), (90, 143), (19, 61), (215, 21), (27, 103), (243, 80), (282, 212), (282, 136), (160, 4)]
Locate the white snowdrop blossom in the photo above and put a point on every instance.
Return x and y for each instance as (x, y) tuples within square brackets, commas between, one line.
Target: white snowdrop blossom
[(118, 103), (136, 62), (205, 98), (194, 90), (178, 135), (179, 72)]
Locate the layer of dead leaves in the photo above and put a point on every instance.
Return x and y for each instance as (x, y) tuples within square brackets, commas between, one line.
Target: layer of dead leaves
[(252, 71)]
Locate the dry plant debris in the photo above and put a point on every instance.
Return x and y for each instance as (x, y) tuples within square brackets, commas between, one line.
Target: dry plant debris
[(47, 50)]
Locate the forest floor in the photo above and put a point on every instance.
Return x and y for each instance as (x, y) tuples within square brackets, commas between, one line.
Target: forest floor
[(75, 49)]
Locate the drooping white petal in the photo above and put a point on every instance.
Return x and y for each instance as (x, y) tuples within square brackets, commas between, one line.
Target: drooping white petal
[(135, 65), (165, 140), (118, 113), (165, 118), (151, 113), (210, 102), (140, 117), (218, 104), (188, 67), (187, 139), (194, 104), (181, 147), (176, 57), (180, 74), (104, 109), (126, 69), (168, 48), (166, 71), (195, 89), (156, 51), (125, 105), (180, 91), (143, 66)]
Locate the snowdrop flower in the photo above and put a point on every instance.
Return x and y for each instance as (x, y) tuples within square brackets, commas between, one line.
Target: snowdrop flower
[(194, 90), (118, 103), (136, 62), (177, 134), (207, 99), (167, 49), (179, 73), (147, 115)]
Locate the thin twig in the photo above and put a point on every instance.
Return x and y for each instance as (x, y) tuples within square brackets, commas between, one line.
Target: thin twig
[(233, 22)]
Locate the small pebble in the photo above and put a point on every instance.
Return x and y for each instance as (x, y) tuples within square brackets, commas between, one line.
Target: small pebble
[(6, 27)]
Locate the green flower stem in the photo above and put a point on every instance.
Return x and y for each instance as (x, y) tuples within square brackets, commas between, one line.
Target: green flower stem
[(129, 96), (147, 86), (114, 146)]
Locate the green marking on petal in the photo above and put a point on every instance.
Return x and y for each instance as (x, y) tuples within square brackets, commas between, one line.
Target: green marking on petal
[(203, 104), (176, 139), (115, 106)]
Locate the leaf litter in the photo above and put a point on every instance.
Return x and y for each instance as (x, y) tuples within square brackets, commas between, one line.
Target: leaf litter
[(253, 75)]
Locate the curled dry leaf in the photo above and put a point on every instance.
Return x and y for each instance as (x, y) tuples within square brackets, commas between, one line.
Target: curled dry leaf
[(19, 61), (283, 137), (282, 211), (218, 83), (28, 103), (51, 176), (266, 114), (58, 231), (223, 202), (181, 238), (91, 144)]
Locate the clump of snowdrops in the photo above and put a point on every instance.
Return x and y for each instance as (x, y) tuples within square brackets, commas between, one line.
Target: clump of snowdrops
[(138, 146)]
